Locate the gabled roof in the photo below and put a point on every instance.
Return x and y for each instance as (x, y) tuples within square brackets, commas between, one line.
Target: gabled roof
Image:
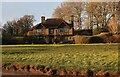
[(51, 23), (54, 22), (38, 26)]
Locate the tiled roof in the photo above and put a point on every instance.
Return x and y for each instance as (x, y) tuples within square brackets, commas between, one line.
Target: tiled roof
[(51, 23), (38, 26)]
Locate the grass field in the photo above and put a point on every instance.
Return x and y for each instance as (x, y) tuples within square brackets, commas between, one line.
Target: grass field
[(94, 56)]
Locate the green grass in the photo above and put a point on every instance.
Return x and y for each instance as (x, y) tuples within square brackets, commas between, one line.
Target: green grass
[(84, 56)]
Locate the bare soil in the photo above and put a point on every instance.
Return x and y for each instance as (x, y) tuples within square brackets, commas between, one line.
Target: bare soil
[(17, 69)]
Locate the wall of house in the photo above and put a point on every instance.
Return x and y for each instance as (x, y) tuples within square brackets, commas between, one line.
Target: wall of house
[(46, 31), (55, 31), (71, 31), (29, 33)]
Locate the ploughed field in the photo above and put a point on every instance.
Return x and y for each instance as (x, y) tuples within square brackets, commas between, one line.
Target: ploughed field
[(78, 57)]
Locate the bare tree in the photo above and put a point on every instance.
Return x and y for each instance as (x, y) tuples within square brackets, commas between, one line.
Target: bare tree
[(67, 9), (100, 13), (20, 26)]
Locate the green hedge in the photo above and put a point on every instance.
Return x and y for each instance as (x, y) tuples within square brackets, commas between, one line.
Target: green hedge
[(96, 39), (13, 40)]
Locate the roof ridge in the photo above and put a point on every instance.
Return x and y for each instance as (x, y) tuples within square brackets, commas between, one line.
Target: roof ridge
[(54, 18)]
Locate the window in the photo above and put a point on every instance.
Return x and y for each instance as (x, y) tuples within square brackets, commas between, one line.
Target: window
[(60, 30), (63, 29), (66, 29), (51, 31), (66, 37), (39, 30)]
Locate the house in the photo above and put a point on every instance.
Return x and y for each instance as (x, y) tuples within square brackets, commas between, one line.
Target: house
[(53, 30)]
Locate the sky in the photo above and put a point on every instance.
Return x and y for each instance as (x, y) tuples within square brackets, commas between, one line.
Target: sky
[(14, 10)]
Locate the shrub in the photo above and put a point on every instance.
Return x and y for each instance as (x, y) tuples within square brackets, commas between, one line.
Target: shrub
[(18, 40), (96, 39), (88, 39), (110, 38), (117, 38), (13, 40), (6, 40), (23, 40), (35, 40), (81, 39)]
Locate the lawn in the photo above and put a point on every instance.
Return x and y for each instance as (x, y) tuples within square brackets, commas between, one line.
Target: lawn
[(84, 56)]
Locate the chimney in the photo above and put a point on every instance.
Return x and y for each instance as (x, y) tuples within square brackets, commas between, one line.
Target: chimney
[(42, 19), (72, 20)]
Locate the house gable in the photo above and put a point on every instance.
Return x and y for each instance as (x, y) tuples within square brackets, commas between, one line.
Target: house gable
[(63, 24), (39, 26)]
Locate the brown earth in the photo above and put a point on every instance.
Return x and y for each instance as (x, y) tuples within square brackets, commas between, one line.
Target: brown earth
[(17, 69)]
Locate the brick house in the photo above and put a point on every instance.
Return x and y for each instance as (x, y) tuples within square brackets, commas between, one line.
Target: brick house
[(53, 30)]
